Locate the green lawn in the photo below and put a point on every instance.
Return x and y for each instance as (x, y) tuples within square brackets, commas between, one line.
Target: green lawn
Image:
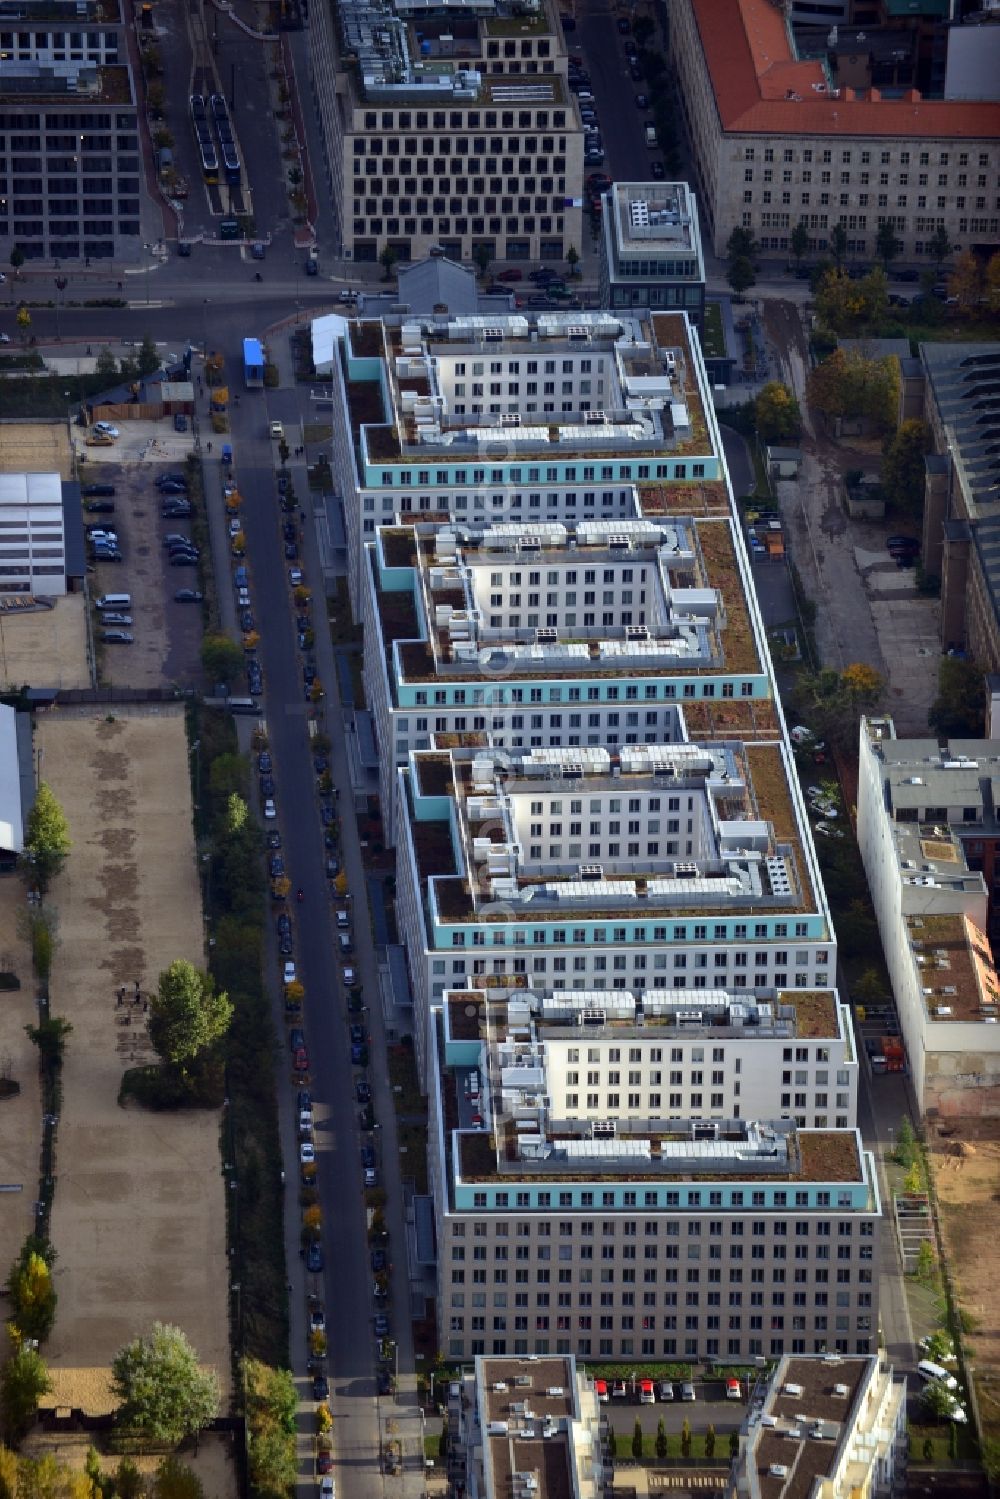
[(412, 1139), (403, 1075), (714, 340)]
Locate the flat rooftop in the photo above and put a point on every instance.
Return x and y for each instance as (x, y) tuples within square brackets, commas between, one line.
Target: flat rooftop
[(656, 220), (85, 85), (645, 399), (731, 1151), (746, 855), (812, 1405), (496, 1015), (955, 966), (698, 622), (527, 1410)]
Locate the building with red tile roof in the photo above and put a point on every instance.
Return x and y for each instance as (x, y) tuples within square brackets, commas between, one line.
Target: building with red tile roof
[(775, 142)]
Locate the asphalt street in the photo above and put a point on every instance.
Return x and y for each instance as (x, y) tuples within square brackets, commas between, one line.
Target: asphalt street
[(346, 1284)]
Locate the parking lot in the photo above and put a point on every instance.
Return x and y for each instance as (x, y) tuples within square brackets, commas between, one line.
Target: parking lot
[(709, 1408), (166, 634)]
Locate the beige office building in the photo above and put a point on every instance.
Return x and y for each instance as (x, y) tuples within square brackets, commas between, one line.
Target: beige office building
[(457, 131), (776, 142), (622, 1233)]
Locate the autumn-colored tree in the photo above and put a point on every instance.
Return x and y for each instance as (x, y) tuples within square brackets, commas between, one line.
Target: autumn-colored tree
[(843, 305), (280, 886), (777, 413), (846, 384), (295, 992), (862, 683), (902, 471), (965, 283)]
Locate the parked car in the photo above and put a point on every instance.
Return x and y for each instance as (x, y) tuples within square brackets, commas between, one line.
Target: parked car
[(117, 637), (188, 596), (288, 974), (687, 1391), (381, 1325), (270, 810), (314, 1258), (362, 1091), (180, 422), (379, 1260)]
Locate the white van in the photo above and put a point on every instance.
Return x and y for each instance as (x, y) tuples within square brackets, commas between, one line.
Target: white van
[(344, 943), (116, 601), (929, 1371)]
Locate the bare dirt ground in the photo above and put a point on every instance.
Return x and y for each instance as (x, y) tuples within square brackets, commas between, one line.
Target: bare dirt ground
[(967, 1174), (213, 1462), (20, 1116), (46, 647), (867, 609), (40, 447), (167, 635), (139, 1216)]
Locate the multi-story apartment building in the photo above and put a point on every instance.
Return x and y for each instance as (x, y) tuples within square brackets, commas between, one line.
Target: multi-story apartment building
[(651, 249), (527, 1428), (654, 866), (638, 1233), (555, 417), (830, 1427), (69, 147), (776, 143), (454, 129), (586, 635), (925, 818)]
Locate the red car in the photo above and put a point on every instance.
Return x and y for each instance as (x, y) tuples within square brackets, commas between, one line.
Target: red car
[(301, 1060), (512, 275), (324, 1462)]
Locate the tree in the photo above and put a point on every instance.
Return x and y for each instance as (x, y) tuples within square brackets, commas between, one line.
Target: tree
[(734, 1443), (960, 706), (23, 318), (148, 359), (662, 1445), (387, 260), (741, 274), (844, 305), (573, 260), (902, 472), (24, 1379), (221, 658), (913, 1186), (106, 365), (8, 1474), (686, 1438), (800, 240), (47, 841), (741, 245), (887, 243), (838, 244), (128, 1480), (16, 257), (175, 1480), (928, 1449), (777, 413), (939, 247), (637, 1440), (991, 287), (937, 1399), (905, 1142), (49, 1035), (870, 987), (710, 1441), (32, 1294), (161, 1392), (612, 1443), (482, 256), (846, 384), (237, 814), (966, 283), (833, 701), (187, 1016)]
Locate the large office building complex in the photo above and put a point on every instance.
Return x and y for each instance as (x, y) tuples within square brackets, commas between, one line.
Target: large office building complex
[(620, 953), (454, 130), (70, 168), (778, 139)]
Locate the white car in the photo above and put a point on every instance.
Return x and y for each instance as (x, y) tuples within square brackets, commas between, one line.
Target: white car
[(289, 971), (349, 977), (243, 598), (305, 1121), (234, 526), (295, 576), (307, 1153), (270, 810), (108, 429), (4, 338), (327, 1489)]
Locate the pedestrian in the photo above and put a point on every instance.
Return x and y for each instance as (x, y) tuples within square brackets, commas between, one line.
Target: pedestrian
[(209, 447), (128, 1018), (137, 991)]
